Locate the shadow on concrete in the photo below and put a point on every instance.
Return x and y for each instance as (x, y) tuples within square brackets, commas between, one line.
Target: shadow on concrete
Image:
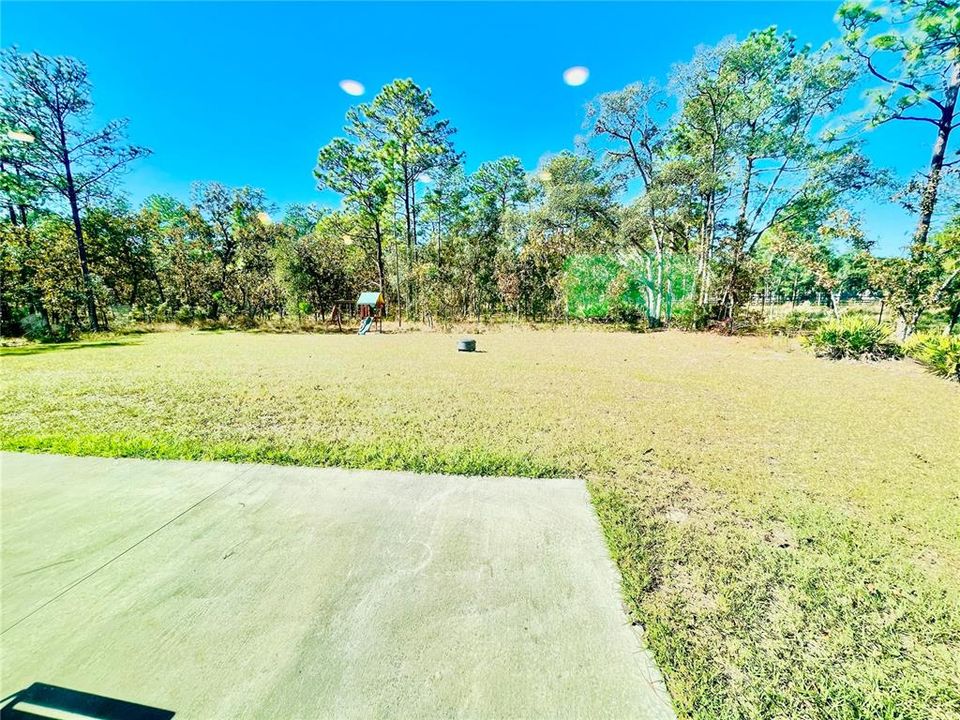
[(45, 701)]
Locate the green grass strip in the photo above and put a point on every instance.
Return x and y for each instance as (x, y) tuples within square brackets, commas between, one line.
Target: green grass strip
[(372, 456)]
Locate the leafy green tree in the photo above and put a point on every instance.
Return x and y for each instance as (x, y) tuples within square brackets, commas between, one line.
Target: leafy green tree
[(188, 267), (122, 245), (781, 97), (303, 219), (912, 285), (168, 223), (576, 202), (635, 142), (445, 217), (49, 98), (913, 48), (20, 249), (240, 238), (19, 294), (446, 208), (57, 276), (498, 188), (705, 134), (318, 269), (401, 125), (947, 248), (357, 173), (573, 211), (833, 254)]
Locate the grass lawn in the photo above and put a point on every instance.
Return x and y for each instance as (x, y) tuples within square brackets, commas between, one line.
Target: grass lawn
[(788, 528)]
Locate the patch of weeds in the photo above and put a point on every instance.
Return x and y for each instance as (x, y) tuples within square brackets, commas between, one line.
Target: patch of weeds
[(803, 612)]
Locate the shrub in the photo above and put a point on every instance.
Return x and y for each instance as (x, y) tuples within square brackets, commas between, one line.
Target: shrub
[(184, 314), (148, 313), (940, 354), (852, 337), (686, 315), (633, 316), (747, 321), (796, 322), (35, 328)]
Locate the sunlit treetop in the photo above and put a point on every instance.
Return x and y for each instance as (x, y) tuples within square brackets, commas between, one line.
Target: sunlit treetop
[(912, 46)]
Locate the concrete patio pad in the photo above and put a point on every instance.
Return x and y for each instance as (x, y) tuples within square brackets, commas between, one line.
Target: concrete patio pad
[(222, 591)]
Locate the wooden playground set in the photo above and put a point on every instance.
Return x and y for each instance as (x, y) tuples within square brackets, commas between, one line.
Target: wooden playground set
[(370, 308)]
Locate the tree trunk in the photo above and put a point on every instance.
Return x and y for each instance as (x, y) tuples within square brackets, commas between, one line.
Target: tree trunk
[(907, 320), (378, 238), (702, 277), (741, 231), (408, 222), (399, 289), (928, 200), (71, 192), (659, 291), (668, 311), (12, 210), (954, 317), (413, 217), (835, 304), (82, 251), (156, 279), (655, 276)]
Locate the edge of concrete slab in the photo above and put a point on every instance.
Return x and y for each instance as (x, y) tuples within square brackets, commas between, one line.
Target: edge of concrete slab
[(656, 687)]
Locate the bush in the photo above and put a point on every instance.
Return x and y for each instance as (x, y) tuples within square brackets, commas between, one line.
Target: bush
[(633, 316), (796, 322), (853, 337), (747, 321), (940, 354), (35, 328), (686, 315), (148, 313), (184, 314)]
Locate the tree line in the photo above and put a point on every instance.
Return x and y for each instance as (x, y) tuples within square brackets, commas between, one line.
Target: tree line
[(683, 203)]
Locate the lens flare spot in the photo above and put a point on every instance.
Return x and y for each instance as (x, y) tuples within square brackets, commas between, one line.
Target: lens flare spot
[(576, 75), (352, 87)]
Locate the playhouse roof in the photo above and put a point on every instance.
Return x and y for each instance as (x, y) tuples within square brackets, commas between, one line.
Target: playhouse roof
[(370, 298)]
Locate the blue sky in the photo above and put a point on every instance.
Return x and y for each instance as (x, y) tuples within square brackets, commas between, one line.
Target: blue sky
[(246, 93)]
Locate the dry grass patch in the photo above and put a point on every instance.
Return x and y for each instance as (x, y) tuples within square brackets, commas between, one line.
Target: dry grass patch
[(788, 529)]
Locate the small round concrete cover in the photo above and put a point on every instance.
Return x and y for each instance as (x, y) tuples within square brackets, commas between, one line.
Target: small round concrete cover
[(467, 345)]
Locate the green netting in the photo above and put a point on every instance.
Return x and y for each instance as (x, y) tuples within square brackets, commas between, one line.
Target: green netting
[(602, 286)]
